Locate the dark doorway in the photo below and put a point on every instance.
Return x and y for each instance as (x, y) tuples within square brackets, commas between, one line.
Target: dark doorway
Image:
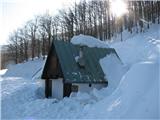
[(48, 88), (67, 89)]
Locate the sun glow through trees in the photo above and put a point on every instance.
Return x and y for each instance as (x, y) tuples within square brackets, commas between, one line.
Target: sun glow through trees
[(118, 7)]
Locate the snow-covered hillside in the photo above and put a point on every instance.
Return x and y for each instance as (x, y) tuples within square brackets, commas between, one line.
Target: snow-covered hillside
[(132, 92), (25, 70), (141, 47)]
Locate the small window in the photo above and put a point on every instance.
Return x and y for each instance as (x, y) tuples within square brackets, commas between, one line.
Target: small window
[(90, 85), (74, 88)]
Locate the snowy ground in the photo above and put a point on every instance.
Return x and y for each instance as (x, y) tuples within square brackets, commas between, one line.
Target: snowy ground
[(133, 91)]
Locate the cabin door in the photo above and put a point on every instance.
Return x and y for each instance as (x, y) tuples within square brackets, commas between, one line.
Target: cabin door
[(48, 88), (67, 89)]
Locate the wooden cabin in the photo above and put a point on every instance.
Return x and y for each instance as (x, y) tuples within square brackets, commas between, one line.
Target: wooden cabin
[(72, 68)]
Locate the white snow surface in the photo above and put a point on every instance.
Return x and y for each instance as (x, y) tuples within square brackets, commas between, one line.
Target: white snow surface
[(26, 69), (86, 40), (132, 93), (114, 69), (2, 72)]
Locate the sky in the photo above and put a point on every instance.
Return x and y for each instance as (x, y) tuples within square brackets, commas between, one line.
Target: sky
[(14, 13)]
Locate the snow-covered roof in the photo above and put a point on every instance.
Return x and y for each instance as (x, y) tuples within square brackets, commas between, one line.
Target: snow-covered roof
[(72, 72)]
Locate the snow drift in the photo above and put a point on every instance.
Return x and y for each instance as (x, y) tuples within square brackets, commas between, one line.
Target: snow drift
[(135, 97), (114, 70), (26, 69)]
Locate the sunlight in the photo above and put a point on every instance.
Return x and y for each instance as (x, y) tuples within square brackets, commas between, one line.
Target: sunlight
[(118, 7), (25, 10)]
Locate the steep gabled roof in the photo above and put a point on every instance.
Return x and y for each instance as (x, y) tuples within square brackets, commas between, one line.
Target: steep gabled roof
[(72, 73)]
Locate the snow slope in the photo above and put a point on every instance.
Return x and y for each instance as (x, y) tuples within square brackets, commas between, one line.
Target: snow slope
[(133, 91), (135, 97), (114, 70), (18, 86), (15, 92), (26, 69), (141, 47)]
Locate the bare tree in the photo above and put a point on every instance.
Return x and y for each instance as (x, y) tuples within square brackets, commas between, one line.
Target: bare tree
[(13, 46), (32, 29)]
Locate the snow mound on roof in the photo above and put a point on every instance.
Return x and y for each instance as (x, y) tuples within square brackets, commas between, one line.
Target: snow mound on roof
[(89, 41)]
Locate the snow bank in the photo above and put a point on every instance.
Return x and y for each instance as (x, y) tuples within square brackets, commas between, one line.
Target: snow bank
[(88, 41), (132, 53), (140, 47), (2, 72), (25, 70), (135, 97), (15, 92), (114, 70)]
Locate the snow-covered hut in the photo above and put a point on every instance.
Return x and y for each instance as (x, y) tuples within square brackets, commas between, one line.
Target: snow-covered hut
[(72, 68)]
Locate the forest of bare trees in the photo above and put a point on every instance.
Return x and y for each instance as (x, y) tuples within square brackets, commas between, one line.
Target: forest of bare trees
[(89, 18)]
